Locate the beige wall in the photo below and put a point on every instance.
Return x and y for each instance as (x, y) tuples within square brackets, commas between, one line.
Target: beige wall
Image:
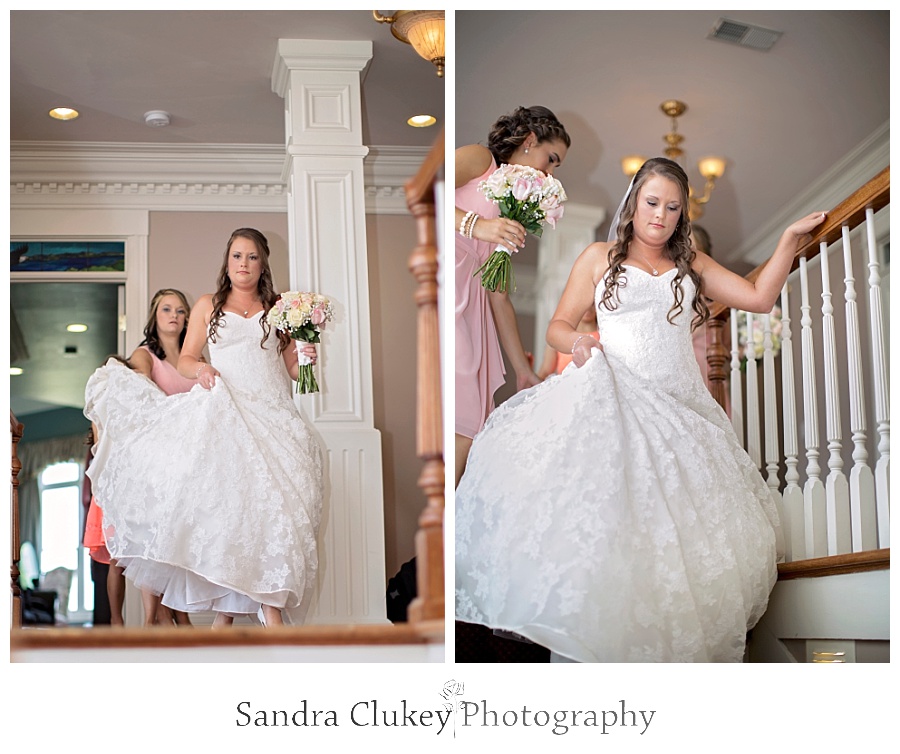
[(185, 252), (186, 249), (391, 286)]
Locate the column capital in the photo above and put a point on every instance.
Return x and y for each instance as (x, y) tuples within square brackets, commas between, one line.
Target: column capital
[(317, 55)]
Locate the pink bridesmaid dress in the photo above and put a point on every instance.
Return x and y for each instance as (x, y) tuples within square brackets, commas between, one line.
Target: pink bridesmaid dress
[(479, 363)]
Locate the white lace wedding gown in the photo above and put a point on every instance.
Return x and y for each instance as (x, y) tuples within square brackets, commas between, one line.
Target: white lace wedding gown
[(211, 498), (609, 513)]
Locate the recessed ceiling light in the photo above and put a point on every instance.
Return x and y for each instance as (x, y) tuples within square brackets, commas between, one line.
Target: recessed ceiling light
[(422, 121), (13, 371), (64, 113), (76, 327)]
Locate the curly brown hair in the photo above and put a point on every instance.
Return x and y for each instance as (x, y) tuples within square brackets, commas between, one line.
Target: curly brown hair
[(678, 247), (265, 288), (511, 130), (151, 331)]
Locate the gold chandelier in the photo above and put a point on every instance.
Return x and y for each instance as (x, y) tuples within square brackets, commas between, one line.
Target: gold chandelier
[(423, 29), (710, 168)]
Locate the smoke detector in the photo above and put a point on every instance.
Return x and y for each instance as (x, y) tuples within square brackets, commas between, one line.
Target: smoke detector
[(745, 35), (156, 118)]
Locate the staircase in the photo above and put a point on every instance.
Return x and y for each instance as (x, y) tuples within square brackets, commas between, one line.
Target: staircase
[(831, 602)]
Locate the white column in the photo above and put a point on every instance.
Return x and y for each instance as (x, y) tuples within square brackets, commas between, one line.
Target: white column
[(557, 252), (770, 425), (320, 83), (753, 448), (814, 506), (879, 377), (792, 497), (837, 489), (862, 481)]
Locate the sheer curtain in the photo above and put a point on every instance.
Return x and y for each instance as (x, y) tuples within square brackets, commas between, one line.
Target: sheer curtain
[(35, 457)]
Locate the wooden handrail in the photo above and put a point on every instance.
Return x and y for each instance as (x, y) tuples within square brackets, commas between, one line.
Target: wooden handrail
[(423, 264), (854, 562), (160, 637), (16, 430), (875, 195)]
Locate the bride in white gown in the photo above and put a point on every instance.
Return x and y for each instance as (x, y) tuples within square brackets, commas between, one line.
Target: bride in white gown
[(212, 498), (609, 513)]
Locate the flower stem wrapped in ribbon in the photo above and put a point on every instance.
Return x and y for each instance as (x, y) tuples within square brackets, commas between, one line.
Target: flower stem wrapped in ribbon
[(529, 197), (303, 317)]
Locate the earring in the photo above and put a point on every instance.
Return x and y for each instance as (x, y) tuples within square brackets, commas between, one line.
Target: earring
[(526, 150)]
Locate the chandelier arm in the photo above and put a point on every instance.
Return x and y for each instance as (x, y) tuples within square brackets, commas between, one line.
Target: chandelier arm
[(707, 192)]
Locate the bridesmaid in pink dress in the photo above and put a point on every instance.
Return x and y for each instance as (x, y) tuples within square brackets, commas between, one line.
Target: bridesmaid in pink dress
[(486, 320), (156, 358)]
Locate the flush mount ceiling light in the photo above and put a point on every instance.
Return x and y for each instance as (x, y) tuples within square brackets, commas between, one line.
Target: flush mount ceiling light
[(76, 327), (422, 121), (64, 113), (156, 118), (423, 29)]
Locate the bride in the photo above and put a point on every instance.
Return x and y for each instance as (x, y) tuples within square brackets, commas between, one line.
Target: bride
[(609, 513), (213, 498)]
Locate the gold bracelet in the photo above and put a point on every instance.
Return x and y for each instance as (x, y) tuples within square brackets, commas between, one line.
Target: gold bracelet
[(471, 226)]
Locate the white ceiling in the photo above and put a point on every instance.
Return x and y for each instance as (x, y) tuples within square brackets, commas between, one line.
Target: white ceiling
[(781, 118), (211, 70)]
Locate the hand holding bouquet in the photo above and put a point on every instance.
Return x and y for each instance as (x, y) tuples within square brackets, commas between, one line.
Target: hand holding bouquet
[(303, 317), (527, 196)]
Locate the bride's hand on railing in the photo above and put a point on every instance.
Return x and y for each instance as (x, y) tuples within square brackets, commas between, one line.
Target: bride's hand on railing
[(803, 227)]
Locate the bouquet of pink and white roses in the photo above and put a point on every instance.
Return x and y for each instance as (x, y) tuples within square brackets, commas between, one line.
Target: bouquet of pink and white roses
[(527, 196), (303, 317)]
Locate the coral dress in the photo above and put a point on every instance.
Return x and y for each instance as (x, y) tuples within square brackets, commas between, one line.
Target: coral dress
[(479, 363), (212, 498), (170, 381), (610, 513)]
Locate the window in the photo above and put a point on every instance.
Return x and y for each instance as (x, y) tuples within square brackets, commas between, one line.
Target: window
[(62, 522)]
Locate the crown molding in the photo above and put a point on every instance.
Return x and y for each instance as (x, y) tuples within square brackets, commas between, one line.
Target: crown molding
[(840, 180), (185, 177)]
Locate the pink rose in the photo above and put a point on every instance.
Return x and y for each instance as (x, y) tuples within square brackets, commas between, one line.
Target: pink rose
[(318, 316), (553, 215), (521, 189)]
